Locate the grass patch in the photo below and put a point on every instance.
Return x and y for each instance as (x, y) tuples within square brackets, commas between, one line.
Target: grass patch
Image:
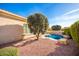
[(8, 51)]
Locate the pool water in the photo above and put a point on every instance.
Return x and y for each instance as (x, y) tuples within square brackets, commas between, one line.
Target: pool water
[(55, 36)]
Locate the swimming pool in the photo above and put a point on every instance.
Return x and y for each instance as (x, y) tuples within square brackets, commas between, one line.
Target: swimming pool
[(55, 36)]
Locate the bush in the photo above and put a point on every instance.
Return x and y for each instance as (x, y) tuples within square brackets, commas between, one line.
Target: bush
[(74, 30), (67, 31), (8, 51)]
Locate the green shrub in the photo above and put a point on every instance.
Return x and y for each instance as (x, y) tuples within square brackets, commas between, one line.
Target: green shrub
[(8, 51), (74, 30), (67, 31)]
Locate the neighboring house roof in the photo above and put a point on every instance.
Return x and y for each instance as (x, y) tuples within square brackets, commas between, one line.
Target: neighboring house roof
[(11, 15)]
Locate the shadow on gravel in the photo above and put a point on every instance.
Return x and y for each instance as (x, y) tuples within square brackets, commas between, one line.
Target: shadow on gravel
[(65, 50), (29, 42)]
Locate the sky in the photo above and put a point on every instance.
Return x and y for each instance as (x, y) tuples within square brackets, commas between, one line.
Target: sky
[(63, 14)]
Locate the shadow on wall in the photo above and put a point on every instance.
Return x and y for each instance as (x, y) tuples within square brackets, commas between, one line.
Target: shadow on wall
[(10, 33)]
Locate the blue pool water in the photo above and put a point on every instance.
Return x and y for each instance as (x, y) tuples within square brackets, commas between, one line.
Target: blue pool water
[(55, 36)]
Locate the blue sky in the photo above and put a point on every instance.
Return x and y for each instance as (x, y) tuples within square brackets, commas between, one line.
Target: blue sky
[(63, 14)]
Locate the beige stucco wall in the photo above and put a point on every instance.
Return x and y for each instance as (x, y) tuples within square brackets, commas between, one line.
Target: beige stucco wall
[(10, 29)]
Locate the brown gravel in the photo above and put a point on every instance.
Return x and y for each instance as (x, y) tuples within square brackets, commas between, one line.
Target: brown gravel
[(46, 47)]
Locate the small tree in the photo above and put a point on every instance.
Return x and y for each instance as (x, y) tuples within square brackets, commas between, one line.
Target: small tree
[(56, 27), (38, 23)]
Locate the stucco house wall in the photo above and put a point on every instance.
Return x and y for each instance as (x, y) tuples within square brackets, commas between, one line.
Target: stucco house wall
[(11, 27)]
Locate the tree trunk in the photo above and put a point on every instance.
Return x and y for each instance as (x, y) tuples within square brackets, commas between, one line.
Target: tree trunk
[(37, 36)]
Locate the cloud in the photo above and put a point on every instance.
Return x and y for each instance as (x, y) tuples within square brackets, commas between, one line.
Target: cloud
[(72, 11), (66, 19)]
